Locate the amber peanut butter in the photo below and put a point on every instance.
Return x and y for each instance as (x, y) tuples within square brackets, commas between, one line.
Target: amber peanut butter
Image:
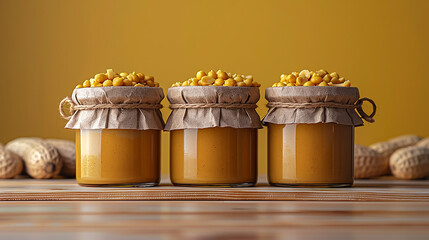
[(117, 156), (310, 154), (214, 156)]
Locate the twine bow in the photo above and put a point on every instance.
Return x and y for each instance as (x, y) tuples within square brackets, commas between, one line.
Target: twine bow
[(357, 106), (74, 107)]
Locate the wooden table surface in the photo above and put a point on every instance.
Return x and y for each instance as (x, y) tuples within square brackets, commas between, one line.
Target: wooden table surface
[(373, 209)]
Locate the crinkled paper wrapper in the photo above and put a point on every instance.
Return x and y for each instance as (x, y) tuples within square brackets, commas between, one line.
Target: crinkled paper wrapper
[(345, 95), (213, 117), (138, 119)]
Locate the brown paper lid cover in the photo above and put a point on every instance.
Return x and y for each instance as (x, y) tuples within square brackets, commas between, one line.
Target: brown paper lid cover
[(185, 118), (313, 94), (138, 118)]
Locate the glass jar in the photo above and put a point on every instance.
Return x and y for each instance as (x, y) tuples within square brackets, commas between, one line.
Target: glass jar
[(219, 156), (311, 134), (213, 135), (118, 157), (117, 135), (318, 154)]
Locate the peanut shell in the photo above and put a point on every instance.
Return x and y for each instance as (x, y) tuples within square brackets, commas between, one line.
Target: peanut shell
[(67, 151), (368, 162), (41, 159), (10, 164), (423, 143), (387, 148), (410, 162)]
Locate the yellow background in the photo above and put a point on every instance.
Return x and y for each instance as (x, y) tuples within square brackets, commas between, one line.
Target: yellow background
[(47, 47)]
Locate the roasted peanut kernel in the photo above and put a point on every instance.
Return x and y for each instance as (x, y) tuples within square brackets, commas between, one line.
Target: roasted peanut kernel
[(309, 83), (222, 79), (241, 84), (118, 81), (230, 82), (100, 77), (316, 79), (335, 80), (133, 78), (327, 78), (347, 83), (334, 74), (86, 83), (283, 78), (221, 74), (127, 82), (248, 82), (301, 81), (79, 86), (290, 84), (219, 82), (150, 83), (206, 80), (311, 78), (93, 81), (149, 78), (140, 75), (321, 73), (281, 84), (212, 74), (305, 74), (238, 79), (291, 78), (123, 74), (200, 74), (110, 74), (139, 85), (107, 83)]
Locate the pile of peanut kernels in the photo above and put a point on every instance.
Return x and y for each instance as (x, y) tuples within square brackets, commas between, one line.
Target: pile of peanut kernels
[(111, 78), (310, 78), (219, 78)]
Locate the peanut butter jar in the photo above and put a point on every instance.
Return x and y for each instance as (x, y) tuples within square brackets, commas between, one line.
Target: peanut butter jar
[(117, 135), (311, 135), (213, 133)]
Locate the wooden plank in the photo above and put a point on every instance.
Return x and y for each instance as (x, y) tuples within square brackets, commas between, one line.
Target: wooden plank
[(213, 220), (386, 190)]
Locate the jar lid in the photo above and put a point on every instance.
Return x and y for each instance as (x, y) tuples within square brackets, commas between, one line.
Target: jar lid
[(124, 107), (213, 106), (301, 104)]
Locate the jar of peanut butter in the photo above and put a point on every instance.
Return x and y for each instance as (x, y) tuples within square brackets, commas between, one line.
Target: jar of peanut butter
[(311, 135), (117, 135), (213, 133)]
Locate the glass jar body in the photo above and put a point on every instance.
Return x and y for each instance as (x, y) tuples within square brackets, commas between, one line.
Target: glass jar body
[(118, 157), (311, 155), (223, 157)]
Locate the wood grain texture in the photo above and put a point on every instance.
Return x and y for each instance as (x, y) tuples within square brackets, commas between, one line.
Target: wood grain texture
[(205, 220), (387, 190)]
